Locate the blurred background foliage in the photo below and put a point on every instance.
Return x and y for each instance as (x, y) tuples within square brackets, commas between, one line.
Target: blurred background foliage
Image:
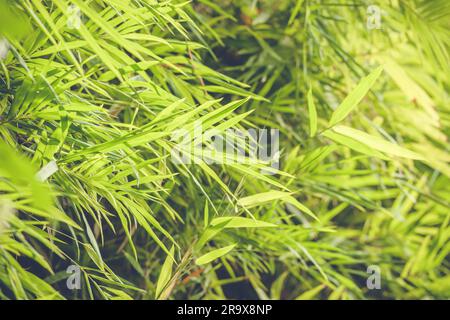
[(90, 92)]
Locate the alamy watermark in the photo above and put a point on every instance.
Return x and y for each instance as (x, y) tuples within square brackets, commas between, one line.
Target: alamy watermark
[(73, 282), (74, 17), (374, 279), (374, 14)]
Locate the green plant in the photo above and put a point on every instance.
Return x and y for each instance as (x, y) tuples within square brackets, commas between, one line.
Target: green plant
[(92, 92), (311, 59)]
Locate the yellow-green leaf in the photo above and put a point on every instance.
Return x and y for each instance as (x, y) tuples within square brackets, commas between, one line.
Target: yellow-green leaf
[(312, 114), (213, 255), (266, 197), (377, 143), (166, 273), (240, 222), (357, 94)]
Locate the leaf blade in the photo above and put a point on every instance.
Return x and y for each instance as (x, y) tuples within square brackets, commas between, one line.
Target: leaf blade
[(312, 114), (215, 254), (357, 94)]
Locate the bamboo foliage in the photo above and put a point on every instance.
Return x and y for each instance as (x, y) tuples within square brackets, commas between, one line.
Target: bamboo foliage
[(91, 93)]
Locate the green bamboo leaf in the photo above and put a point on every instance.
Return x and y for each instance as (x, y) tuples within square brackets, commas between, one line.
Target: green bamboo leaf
[(206, 214), (377, 143), (270, 196), (410, 88), (166, 273), (353, 144), (213, 255), (262, 198), (311, 294), (240, 222), (357, 94), (312, 114)]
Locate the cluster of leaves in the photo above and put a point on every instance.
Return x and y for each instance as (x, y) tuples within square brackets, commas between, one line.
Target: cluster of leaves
[(87, 115), (387, 205)]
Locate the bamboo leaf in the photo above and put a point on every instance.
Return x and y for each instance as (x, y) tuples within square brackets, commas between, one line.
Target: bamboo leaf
[(312, 114), (270, 196), (215, 254), (377, 143), (240, 222), (165, 274), (354, 97)]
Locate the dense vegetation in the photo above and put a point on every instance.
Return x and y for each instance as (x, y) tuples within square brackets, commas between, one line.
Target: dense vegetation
[(91, 93)]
